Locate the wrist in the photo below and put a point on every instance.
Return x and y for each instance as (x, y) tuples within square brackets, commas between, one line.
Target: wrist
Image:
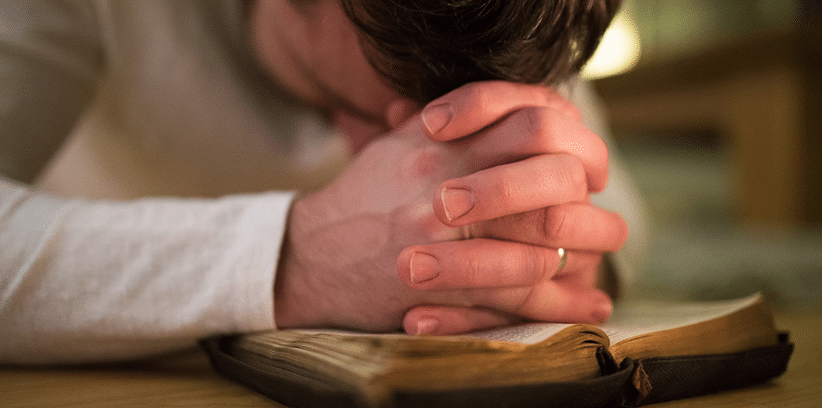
[(289, 290)]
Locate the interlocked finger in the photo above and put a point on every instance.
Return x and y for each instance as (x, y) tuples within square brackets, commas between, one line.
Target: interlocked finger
[(574, 226), (485, 263), (513, 188), (445, 320), (549, 302), (552, 301), (474, 106)]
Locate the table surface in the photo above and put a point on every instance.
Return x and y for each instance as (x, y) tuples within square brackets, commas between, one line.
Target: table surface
[(188, 380)]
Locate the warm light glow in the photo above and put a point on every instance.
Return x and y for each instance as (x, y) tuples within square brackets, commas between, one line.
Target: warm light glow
[(619, 50)]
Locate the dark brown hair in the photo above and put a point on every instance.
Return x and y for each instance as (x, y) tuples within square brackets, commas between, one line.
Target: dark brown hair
[(429, 47)]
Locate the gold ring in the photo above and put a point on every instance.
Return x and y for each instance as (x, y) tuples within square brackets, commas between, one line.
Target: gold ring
[(563, 258)]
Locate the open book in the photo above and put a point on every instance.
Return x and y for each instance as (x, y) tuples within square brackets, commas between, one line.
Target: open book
[(647, 352)]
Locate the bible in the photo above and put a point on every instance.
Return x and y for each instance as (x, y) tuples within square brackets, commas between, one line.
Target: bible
[(646, 353)]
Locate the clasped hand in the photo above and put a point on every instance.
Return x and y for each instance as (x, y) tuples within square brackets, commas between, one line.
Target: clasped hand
[(451, 222)]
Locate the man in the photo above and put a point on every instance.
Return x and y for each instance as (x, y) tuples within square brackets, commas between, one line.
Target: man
[(469, 201)]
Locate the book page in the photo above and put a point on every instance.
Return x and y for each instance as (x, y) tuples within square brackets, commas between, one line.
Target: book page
[(531, 333), (628, 320), (635, 319)]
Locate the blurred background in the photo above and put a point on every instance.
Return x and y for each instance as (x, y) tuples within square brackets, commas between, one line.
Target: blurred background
[(715, 108)]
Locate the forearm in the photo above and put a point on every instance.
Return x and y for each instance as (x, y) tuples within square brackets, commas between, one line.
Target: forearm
[(91, 281)]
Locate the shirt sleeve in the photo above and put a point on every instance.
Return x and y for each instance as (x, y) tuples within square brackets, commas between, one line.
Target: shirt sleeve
[(88, 281), (50, 61)]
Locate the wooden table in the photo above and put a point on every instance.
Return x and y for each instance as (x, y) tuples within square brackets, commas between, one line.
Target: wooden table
[(187, 380)]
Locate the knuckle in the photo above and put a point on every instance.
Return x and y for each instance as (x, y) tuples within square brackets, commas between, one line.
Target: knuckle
[(571, 175), (473, 273), (556, 224), (524, 302), (425, 161), (598, 147), (622, 233), (504, 193), (467, 94), (480, 97), (544, 125), (419, 221), (539, 267), (536, 121)]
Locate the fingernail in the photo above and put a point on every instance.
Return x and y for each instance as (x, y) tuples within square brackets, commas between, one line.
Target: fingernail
[(602, 310), (457, 202), (423, 267), (427, 325), (437, 117)]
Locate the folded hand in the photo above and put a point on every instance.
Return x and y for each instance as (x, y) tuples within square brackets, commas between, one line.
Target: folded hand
[(509, 168)]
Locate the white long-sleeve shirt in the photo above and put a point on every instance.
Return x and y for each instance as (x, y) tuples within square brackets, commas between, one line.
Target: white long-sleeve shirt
[(88, 281), (160, 217)]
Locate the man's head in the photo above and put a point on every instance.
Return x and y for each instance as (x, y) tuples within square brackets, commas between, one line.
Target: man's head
[(359, 55), (429, 47)]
